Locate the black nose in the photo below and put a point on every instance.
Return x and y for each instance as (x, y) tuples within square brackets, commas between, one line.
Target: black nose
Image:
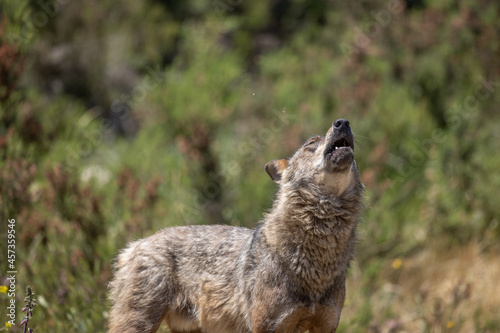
[(341, 124)]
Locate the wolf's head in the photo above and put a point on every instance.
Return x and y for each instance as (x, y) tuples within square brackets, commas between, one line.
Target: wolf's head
[(323, 162)]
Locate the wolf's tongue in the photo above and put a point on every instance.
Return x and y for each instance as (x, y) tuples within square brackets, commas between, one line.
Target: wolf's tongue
[(341, 143)]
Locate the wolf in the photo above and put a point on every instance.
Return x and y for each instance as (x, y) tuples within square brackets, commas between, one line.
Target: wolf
[(286, 275)]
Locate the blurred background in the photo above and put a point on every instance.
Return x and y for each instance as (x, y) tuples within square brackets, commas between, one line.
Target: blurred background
[(121, 118)]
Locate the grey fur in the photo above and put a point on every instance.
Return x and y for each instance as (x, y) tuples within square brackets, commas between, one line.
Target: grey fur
[(286, 275)]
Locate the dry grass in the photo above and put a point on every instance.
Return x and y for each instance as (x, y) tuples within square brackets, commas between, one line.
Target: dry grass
[(436, 290)]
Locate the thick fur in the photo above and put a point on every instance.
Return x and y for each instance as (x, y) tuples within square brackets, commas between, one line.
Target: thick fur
[(287, 275)]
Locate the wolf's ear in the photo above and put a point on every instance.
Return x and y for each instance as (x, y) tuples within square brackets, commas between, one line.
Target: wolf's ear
[(275, 168)]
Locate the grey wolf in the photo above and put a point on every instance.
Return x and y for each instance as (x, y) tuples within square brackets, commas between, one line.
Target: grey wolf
[(286, 275)]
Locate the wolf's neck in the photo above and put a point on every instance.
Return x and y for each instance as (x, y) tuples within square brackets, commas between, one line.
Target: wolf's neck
[(314, 234)]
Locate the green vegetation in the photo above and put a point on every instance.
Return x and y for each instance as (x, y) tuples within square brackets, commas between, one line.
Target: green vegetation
[(118, 119)]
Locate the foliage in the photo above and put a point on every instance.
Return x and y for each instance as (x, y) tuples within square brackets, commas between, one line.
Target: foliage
[(30, 306), (116, 121)]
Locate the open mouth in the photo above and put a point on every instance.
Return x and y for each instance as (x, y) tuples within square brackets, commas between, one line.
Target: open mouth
[(338, 145)]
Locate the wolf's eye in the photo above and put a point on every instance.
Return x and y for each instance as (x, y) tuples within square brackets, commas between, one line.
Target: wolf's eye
[(313, 140), (312, 144)]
